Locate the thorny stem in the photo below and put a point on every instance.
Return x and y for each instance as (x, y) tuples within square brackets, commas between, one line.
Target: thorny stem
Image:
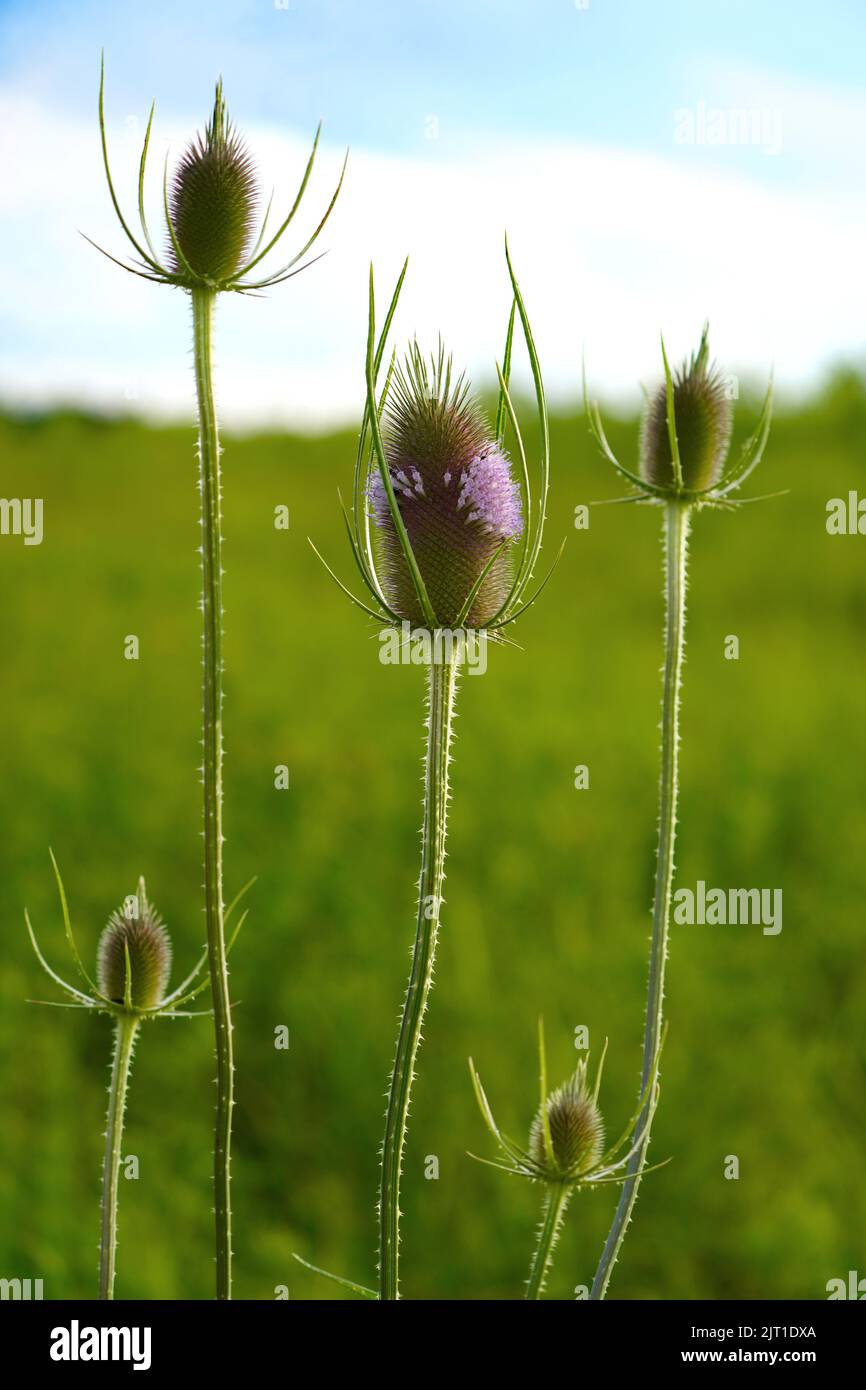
[(212, 739), (442, 678), (125, 1031), (677, 520), (555, 1205)]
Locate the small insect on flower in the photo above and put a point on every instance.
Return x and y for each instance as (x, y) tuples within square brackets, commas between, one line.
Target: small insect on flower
[(210, 211), (685, 437)]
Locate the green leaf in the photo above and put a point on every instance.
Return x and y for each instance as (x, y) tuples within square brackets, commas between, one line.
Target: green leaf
[(338, 1279)]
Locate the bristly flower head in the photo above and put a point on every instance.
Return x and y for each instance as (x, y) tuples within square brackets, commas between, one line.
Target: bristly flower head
[(134, 954), (704, 417), (566, 1139), (458, 536), (455, 493), (210, 212), (686, 436), (133, 962), (575, 1127), (214, 198)]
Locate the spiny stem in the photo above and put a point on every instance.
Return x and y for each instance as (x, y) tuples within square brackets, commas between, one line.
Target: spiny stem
[(125, 1031), (555, 1205), (212, 739), (442, 678), (677, 521)]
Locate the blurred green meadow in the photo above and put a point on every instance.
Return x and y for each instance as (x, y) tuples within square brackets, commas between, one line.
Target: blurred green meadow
[(548, 887)]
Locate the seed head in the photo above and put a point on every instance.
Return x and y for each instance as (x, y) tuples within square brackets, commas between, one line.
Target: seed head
[(214, 199), (144, 936), (703, 415), (455, 492), (576, 1128)]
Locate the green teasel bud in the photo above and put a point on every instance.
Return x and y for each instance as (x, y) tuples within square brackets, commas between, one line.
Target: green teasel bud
[(214, 200), (135, 932), (703, 414), (575, 1125)]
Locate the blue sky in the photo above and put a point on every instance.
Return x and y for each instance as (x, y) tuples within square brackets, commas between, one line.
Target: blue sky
[(451, 110), (610, 71)]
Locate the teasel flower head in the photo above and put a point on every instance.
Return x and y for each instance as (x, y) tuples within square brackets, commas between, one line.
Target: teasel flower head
[(210, 207), (567, 1133), (686, 436), (133, 962), (446, 524), (566, 1138), (703, 412), (214, 199), (134, 954), (455, 493)]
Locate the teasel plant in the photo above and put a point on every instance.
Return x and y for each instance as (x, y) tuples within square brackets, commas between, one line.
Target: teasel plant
[(133, 964), (566, 1152), (445, 540), (684, 467), (210, 207)]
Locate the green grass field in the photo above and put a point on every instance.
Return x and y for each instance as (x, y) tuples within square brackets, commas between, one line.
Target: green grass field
[(548, 888)]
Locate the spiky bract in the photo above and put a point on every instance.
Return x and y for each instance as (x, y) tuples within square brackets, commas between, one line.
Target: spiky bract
[(455, 492), (136, 930)]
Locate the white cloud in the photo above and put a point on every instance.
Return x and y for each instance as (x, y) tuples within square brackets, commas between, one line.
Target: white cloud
[(611, 246)]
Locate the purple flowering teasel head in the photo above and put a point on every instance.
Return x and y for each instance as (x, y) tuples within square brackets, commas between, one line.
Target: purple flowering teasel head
[(455, 492), (445, 530)]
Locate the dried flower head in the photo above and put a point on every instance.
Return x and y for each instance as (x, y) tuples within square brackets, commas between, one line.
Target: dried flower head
[(134, 954), (686, 436), (455, 493), (214, 199)]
